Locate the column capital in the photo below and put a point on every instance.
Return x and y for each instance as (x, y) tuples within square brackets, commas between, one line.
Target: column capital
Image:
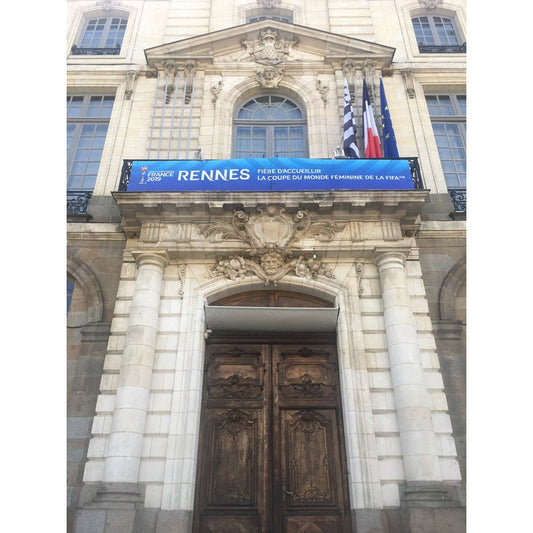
[(386, 256), (155, 257)]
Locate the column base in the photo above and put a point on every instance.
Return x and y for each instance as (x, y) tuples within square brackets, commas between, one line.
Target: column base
[(426, 507), (428, 494), (114, 508)]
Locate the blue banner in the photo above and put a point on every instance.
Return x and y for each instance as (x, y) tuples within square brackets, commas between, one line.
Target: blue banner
[(275, 174)]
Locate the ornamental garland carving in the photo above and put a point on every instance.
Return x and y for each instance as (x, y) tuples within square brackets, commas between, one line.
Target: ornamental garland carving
[(271, 237)]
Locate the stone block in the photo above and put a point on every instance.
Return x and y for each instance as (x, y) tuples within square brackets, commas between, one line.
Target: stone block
[(90, 521), (173, 521), (120, 521), (369, 521)]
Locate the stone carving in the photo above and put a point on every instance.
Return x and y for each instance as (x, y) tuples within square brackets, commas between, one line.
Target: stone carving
[(181, 274), (270, 77), (430, 4), (409, 82), (268, 48), (269, 3), (323, 89), (130, 80), (170, 74), (108, 5), (359, 276), (271, 237), (216, 89), (190, 73)]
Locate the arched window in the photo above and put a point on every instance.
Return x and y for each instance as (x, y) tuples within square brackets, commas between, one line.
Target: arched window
[(283, 15), (437, 34), (101, 36), (270, 126)]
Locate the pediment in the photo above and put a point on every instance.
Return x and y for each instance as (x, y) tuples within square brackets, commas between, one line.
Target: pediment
[(269, 42)]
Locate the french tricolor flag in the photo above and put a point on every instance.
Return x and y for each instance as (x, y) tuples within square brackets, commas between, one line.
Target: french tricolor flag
[(372, 145)]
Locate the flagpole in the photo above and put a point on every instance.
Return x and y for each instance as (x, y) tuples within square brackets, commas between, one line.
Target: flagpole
[(355, 101)]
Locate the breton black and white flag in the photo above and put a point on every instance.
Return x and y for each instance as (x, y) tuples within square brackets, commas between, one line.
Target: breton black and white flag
[(349, 143)]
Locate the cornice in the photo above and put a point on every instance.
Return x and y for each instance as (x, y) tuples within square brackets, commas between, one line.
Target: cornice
[(453, 229), (199, 207), (94, 232)]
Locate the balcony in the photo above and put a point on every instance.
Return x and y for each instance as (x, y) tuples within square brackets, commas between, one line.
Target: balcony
[(78, 203), (458, 197), (414, 168), (112, 51), (442, 49)]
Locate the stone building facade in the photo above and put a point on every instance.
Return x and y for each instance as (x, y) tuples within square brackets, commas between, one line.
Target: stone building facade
[(150, 274)]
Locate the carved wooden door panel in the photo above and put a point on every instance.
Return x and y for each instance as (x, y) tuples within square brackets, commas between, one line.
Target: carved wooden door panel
[(271, 456)]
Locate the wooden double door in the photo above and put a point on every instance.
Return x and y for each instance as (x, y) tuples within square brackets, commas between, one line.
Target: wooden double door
[(271, 457)]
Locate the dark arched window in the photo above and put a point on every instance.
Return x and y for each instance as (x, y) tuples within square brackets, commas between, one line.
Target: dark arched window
[(270, 126), (283, 15)]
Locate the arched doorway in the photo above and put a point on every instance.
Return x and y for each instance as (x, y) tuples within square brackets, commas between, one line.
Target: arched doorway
[(271, 454)]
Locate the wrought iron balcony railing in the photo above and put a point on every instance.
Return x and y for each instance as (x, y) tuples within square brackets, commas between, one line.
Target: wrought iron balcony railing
[(413, 165), (442, 49), (458, 197), (82, 51), (78, 202)]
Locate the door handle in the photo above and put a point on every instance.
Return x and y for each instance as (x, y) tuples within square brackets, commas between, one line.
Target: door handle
[(285, 491)]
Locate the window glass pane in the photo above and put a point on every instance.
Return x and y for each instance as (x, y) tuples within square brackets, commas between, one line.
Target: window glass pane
[(74, 181), (88, 119), (450, 135), (461, 103), (116, 32), (435, 30), (283, 15), (271, 139), (104, 32), (70, 290), (71, 128)]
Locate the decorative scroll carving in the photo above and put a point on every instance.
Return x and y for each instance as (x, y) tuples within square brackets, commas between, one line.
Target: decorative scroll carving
[(269, 4), (181, 274), (235, 421), (170, 71), (307, 388), (430, 4), (108, 5), (309, 472), (323, 89), (271, 238), (216, 89), (190, 72), (350, 67), (409, 82), (268, 48), (130, 80), (236, 386), (234, 440), (359, 275)]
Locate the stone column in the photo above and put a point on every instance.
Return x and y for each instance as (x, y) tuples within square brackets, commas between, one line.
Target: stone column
[(123, 451), (413, 402)]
